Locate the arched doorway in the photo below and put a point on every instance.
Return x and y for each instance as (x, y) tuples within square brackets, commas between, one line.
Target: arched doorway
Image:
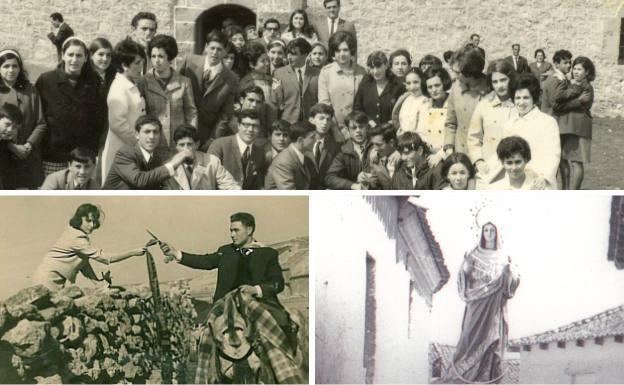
[(213, 17)]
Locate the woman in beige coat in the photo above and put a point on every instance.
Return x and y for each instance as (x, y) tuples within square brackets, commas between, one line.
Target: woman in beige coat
[(168, 95), (125, 101)]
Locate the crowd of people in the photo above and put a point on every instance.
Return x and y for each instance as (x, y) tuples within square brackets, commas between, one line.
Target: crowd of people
[(271, 109)]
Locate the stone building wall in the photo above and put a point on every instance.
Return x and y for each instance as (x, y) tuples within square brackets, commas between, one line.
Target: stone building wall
[(585, 27)]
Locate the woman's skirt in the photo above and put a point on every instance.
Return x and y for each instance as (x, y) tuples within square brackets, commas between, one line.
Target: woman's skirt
[(575, 148)]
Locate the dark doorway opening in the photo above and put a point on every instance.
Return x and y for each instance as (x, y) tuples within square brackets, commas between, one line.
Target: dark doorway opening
[(213, 17)]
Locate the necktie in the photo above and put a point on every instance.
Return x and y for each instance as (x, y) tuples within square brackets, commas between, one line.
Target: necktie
[(206, 79), (317, 152), (300, 76), (245, 159), (188, 170), (333, 29)]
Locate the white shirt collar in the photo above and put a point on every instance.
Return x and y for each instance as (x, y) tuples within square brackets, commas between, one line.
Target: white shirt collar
[(303, 71), (297, 152), (242, 146), (214, 70), (146, 155)]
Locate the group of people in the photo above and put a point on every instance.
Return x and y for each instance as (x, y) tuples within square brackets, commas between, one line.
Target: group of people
[(291, 110)]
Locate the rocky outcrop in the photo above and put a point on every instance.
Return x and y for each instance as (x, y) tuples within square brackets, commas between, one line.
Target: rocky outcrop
[(102, 336)]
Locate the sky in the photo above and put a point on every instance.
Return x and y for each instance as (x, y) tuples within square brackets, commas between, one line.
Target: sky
[(198, 224), (558, 242)]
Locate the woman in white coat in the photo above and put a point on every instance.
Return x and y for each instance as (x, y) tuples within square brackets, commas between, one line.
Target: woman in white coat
[(125, 101), (540, 130)]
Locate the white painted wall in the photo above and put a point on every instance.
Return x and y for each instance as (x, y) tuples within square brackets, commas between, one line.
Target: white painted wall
[(592, 364), (351, 229)]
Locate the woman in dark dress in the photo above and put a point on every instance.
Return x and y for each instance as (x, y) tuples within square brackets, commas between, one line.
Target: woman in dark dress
[(24, 152), (69, 96), (379, 91)]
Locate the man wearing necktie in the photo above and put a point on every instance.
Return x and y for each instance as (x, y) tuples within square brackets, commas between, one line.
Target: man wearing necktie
[(214, 88), (244, 264), (325, 148), (520, 63), (296, 85), (239, 153), (325, 27)]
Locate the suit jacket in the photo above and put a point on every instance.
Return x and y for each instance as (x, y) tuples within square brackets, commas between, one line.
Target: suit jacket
[(328, 153), (264, 270), (227, 150), (574, 114), (215, 104), (523, 64), (288, 95), (344, 169), (130, 171), (288, 173), (208, 174), (321, 26), (550, 87), (73, 114), (542, 72), (59, 181), (63, 34)]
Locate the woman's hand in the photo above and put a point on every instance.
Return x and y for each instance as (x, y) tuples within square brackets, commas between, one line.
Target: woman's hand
[(138, 252)]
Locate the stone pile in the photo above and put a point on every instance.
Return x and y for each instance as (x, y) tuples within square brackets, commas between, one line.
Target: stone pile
[(102, 336)]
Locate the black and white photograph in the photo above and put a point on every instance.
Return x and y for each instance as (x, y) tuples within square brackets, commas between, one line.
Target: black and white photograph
[(504, 289), (311, 95), (154, 289)]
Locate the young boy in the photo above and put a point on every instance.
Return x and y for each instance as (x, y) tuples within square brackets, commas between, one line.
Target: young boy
[(77, 176), (382, 156), (345, 172), (514, 153), (562, 60), (413, 172), (326, 147), (202, 171), (279, 139), (292, 169)]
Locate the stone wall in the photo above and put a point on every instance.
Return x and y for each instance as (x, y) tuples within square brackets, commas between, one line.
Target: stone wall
[(585, 27), (104, 336)]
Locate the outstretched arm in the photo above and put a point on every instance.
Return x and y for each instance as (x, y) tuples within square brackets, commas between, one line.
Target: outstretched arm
[(118, 257)]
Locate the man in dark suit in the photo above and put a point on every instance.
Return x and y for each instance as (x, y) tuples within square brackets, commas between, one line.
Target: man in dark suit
[(279, 139), (240, 154), (271, 31), (60, 33), (293, 169), (562, 62), (325, 27), (520, 63), (214, 88), (141, 167), (296, 85), (475, 39), (77, 176), (325, 148), (144, 26), (243, 264)]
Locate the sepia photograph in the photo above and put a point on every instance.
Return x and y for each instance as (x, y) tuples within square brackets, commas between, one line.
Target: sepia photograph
[(511, 289), (154, 289), (311, 95)]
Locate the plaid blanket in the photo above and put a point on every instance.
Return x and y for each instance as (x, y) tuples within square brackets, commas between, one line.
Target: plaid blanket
[(269, 342)]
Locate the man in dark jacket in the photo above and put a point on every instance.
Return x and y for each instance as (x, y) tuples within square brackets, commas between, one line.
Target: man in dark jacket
[(141, 167), (244, 264), (345, 172), (60, 32)]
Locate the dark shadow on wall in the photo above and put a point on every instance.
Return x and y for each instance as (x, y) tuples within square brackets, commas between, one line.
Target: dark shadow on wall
[(212, 18)]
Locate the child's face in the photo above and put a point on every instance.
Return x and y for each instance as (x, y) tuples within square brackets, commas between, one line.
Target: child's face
[(458, 176), (412, 84), (318, 56), (357, 131), (81, 171), (579, 72), (238, 41), (6, 128), (514, 167), (322, 122), (252, 34), (564, 65)]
